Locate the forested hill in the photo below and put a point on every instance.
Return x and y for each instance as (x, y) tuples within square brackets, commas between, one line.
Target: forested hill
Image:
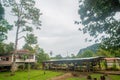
[(93, 48)]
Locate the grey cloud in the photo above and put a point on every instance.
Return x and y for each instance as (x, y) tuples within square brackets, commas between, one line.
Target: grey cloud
[(58, 31)]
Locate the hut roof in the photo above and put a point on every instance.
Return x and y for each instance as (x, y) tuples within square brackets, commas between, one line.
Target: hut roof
[(74, 60), (18, 52), (109, 59)]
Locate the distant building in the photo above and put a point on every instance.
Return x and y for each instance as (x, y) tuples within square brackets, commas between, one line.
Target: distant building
[(112, 63), (22, 57)]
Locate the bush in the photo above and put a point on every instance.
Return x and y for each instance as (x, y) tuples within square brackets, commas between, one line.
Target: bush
[(21, 67), (36, 66)]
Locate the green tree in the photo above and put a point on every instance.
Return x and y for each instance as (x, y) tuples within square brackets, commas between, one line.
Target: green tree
[(28, 47), (6, 48), (4, 25), (4, 28), (104, 53), (117, 52), (58, 56), (41, 55), (98, 18), (87, 53), (73, 56), (2, 49), (31, 39), (9, 47), (27, 16), (1, 12)]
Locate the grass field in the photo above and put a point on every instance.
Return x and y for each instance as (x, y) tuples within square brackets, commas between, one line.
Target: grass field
[(33, 75), (39, 75)]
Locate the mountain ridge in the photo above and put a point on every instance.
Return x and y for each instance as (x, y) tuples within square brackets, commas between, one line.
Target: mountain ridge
[(92, 48)]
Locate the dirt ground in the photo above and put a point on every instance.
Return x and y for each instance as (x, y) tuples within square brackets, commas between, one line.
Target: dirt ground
[(69, 75), (62, 77), (82, 74), (109, 72)]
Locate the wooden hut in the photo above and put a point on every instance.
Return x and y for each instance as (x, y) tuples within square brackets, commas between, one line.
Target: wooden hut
[(81, 64), (112, 63)]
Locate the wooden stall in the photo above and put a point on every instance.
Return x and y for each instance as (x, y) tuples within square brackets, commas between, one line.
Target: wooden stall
[(112, 63), (79, 64)]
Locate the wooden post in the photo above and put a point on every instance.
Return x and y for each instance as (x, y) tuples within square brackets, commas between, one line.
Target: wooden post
[(99, 64), (106, 66)]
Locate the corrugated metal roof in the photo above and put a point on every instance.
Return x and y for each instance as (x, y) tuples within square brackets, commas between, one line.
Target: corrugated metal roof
[(75, 59)]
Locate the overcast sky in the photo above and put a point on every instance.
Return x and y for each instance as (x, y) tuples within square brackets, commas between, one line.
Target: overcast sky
[(58, 32)]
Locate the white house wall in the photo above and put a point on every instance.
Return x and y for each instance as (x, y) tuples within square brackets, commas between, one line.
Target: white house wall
[(27, 60)]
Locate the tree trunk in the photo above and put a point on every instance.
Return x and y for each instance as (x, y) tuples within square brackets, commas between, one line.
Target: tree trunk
[(13, 68)]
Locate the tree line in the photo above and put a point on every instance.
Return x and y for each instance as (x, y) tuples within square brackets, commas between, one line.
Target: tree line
[(101, 18)]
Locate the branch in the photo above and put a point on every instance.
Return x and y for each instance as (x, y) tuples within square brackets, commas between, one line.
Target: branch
[(21, 37), (20, 32)]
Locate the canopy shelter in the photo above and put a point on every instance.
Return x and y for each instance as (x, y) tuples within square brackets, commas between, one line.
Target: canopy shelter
[(82, 64), (112, 63)]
